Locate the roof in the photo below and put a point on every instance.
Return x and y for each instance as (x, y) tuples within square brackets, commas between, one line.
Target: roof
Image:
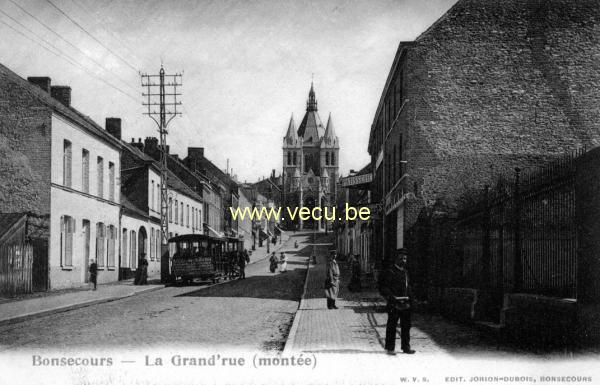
[(311, 129), (8, 221), (330, 138), (69, 113), (131, 208), (291, 136)]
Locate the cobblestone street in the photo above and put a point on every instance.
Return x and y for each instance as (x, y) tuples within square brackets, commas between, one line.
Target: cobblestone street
[(255, 313)]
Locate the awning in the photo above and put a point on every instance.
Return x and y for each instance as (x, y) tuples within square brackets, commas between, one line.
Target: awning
[(264, 234), (212, 232)]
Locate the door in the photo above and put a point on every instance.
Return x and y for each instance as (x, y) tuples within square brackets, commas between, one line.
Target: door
[(86, 249), (39, 268)]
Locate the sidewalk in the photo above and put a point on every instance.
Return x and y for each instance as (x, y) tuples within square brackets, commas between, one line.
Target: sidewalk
[(21, 310), (261, 252), (353, 328), (358, 326)]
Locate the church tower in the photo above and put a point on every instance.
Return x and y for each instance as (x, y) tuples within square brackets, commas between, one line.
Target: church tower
[(310, 161)]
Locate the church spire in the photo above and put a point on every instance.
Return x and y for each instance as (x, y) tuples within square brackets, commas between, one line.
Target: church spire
[(329, 137), (291, 135), (311, 104)]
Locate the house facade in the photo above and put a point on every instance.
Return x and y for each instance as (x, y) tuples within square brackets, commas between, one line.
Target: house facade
[(59, 164)]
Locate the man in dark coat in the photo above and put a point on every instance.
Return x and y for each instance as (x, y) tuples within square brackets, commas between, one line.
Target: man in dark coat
[(394, 286), (332, 280), (93, 273), (243, 259)]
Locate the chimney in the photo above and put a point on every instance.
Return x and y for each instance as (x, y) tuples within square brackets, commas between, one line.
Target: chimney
[(62, 94), (196, 152), (113, 126), (139, 145), (273, 174), (151, 146), (41, 81)]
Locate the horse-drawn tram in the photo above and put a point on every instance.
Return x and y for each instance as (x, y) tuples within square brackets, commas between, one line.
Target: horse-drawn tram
[(204, 257)]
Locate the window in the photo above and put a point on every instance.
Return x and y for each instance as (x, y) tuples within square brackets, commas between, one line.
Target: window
[(181, 212), (333, 158), (295, 158), (394, 164), (85, 171), (158, 241), (289, 160), (132, 250), (100, 164), (176, 212), (124, 248), (327, 158), (67, 163), (152, 196), (171, 210), (187, 215), (100, 243), (67, 229), (152, 244), (111, 181), (112, 243)]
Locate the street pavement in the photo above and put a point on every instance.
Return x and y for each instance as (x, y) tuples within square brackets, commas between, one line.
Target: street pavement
[(255, 313)]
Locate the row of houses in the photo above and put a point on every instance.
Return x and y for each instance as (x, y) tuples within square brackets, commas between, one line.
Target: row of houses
[(492, 107), (74, 192)]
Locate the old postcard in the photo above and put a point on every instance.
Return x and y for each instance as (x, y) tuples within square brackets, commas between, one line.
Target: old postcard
[(299, 192)]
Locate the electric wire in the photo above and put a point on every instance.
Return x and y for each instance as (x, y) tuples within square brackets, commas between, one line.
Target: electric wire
[(66, 58), (70, 44), (92, 36)]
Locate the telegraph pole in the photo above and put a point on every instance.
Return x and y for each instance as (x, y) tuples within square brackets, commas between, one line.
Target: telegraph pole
[(156, 96)]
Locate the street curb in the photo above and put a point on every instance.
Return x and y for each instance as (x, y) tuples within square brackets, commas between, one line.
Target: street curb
[(63, 309), (289, 343)]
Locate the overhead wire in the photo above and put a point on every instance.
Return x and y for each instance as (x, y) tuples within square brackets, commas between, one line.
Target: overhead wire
[(83, 7), (71, 44), (66, 58), (92, 36)]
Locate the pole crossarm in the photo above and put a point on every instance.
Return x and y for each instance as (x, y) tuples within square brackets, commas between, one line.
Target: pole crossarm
[(156, 94)]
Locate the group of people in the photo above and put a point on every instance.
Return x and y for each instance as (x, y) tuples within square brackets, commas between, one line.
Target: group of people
[(141, 273), (394, 286), (274, 262)]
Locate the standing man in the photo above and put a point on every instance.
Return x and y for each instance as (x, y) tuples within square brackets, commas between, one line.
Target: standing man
[(243, 259), (94, 273), (332, 280), (394, 286)]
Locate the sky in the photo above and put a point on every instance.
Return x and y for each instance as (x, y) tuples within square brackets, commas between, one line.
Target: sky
[(246, 66)]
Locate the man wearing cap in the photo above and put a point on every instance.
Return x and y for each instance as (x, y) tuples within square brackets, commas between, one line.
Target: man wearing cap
[(332, 280), (394, 286)]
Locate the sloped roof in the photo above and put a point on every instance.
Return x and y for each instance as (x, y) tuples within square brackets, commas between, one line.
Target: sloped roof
[(8, 221), (291, 136), (311, 129), (68, 112), (330, 138)]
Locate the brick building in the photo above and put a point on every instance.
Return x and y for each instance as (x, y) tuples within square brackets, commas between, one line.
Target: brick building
[(488, 87), (58, 163)]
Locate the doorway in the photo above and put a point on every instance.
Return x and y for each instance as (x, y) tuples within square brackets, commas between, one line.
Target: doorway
[(86, 249)]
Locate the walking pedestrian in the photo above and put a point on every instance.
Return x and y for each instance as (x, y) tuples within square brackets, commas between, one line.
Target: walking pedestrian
[(273, 262), (395, 288), (354, 263), (332, 280), (282, 262), (93, 269)]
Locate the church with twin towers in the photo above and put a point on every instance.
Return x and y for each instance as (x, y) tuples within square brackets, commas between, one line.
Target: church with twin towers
[(310, 164)]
